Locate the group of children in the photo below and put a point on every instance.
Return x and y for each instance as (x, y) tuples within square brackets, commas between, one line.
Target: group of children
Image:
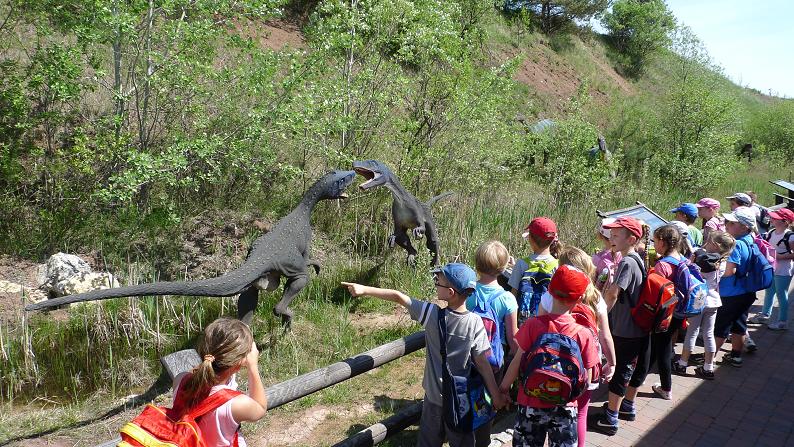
[(558, 327)]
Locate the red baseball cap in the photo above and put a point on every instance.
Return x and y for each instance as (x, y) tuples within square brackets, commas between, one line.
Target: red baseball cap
[(782, 214), (633, 225), (542, 227), (568, 284)]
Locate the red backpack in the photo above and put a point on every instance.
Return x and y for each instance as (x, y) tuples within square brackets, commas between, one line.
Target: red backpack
[(159, 426), (656, 303), (552, 370)]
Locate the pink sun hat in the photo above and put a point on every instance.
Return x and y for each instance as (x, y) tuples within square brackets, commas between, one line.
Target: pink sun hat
[(708, 202)]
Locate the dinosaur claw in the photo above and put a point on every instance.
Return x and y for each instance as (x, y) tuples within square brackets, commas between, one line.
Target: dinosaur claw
[(392, 240), (411, 261)]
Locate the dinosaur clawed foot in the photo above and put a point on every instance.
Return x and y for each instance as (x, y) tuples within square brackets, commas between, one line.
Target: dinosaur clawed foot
[(286, 319), (418, 232), (411, 261), (392, 240)]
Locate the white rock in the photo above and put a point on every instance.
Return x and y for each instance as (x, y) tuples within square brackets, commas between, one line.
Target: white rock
[(85, 282), (61, 267)]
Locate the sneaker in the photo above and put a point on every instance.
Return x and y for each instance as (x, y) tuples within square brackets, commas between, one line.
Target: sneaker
[(778, 326), (599, 423), (758, 319), (703, 374), (728, 359), (623, 414), (749, 345), (666, 395), (678, 369)]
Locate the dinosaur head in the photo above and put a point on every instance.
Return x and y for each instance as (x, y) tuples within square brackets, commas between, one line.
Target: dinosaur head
[(374, 171), (334, 184)]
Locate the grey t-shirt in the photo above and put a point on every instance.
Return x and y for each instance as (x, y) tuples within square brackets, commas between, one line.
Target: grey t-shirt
[(629, 278), (466, 338)]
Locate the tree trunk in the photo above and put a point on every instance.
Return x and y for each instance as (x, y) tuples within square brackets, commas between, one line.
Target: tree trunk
[(118, 111)]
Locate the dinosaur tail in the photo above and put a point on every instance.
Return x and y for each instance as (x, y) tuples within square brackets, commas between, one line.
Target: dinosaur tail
[(435, 199), (229, 284)]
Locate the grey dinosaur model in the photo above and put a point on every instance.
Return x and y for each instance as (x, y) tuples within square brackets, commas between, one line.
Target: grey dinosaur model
[(284, 251), (408, 212)]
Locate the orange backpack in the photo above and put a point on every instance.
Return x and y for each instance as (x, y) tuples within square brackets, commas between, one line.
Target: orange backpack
[(656, 304), (160, 426)]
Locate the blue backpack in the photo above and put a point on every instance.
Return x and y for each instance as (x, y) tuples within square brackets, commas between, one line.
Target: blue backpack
[(491, 322), (757, 273), (690, 287), (534, 283)]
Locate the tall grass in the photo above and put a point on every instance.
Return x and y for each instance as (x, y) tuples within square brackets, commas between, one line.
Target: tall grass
[(113, 348)]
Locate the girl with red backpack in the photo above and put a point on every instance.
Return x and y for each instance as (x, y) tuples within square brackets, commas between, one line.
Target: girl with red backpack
[(590, 312), (207, 408), (226, 346)]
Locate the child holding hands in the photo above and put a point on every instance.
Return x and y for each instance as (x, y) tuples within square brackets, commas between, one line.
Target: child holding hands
[(537, 417), (466, 343)]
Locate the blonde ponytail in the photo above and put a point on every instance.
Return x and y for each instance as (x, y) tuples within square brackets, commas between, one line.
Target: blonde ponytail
[(576, 257)]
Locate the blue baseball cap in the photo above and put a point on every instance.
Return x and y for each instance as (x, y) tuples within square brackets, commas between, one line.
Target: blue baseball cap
[(460, 276), (687, 208)]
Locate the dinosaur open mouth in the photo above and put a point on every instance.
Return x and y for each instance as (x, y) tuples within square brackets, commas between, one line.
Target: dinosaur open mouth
[(367, 174)]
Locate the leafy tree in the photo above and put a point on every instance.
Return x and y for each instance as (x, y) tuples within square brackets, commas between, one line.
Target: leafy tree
[(639, 28), (698, 121), (555, 16)]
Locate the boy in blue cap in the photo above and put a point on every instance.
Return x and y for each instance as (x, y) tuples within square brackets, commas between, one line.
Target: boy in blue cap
[(466, 343), (688, 214)]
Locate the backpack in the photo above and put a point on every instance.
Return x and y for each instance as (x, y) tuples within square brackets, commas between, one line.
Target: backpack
[(466, 404), (656, 304), (758, 273), (534, 283), (491, 322), (159, 426), (690, 287), (553, 370), (784, 240), (766, 249)]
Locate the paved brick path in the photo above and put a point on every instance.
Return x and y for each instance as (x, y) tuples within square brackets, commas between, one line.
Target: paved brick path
[(748, 406)]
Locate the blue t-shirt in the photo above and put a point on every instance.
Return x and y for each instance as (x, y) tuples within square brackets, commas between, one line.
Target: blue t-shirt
[(741, 253), (502, 302)]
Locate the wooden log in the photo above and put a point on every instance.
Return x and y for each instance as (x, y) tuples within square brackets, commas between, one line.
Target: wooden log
[(316, 380), (178, 362), (387, 427)]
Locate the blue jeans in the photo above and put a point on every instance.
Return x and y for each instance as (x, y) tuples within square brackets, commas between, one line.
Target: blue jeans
[(780, 287)]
